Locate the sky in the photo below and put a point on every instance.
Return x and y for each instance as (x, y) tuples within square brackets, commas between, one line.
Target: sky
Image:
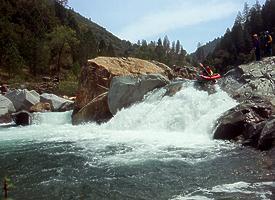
[(189, 21)]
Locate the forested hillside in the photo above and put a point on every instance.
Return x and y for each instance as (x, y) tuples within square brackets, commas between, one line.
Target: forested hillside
[(204, 50), (45, 37), (235, 47)]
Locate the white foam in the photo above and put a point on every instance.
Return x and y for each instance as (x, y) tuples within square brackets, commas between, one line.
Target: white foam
[(178, 127), (241, 188)]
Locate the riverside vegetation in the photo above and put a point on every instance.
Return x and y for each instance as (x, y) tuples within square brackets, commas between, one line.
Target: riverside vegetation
[(47, 38)]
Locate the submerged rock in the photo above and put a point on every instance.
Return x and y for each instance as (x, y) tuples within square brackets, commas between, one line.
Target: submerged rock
[(173, 88)]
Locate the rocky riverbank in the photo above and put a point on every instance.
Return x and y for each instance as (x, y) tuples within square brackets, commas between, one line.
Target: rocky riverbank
[(109, 84), (252, 122), (17, 105)]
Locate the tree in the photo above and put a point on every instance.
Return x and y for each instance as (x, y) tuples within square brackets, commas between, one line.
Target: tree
[(110, 50), (166, 44), (200, 54), (62, 2), (160, 51), (245, 13), (178, 47), (12, 59), (60, 38), (102, 48)]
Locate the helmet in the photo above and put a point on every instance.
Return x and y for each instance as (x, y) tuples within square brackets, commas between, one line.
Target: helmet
[(266, 32), (255, 35)]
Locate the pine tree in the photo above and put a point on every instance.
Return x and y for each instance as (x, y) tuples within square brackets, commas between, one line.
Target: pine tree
[(178, 47)]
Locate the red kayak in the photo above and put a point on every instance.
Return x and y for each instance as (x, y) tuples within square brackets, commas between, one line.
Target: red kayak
[(213, 77)]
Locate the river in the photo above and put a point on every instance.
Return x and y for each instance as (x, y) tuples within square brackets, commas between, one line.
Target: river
[(161, 148)]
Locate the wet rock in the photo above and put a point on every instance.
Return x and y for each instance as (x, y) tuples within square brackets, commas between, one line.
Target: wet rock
[(66, 106), (22, 118), (267, 138), (173, 88), (127, 90), (96, 111), (247, 123)]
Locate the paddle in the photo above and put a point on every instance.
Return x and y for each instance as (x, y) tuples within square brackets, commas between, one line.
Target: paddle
[(205, 69)]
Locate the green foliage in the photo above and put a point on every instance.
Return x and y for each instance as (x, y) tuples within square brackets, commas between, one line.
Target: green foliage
[(62, 39), (67, 88), (46, 37)]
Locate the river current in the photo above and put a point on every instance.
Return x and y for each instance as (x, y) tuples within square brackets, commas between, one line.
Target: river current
[(161, 148)]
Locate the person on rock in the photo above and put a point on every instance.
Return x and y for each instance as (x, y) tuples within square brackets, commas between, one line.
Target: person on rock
[(267, 44), (256, 47)]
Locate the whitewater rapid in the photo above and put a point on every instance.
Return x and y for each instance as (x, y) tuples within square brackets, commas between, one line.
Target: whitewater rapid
[(160, 148), (160, 127)]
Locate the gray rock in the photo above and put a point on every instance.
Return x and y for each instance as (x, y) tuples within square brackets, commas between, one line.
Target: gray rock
[(34, 93), (22, 99), (127, 90), (56, 102), (6, 105), (6, 108), (256, 78)]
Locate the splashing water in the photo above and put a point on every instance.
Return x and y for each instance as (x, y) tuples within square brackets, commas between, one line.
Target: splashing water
[(163, 143)]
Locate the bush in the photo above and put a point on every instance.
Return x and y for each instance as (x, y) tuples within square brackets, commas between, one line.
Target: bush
[(67, 88)]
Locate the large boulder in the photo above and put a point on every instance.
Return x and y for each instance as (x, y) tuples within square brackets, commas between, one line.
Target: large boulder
[(127, 90), (247, 123), (96, 111), (6, 108), (96, 77), (22, 99), (57, 103)]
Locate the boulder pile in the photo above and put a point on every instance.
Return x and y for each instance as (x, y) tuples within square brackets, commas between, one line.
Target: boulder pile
[(17, 105)]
